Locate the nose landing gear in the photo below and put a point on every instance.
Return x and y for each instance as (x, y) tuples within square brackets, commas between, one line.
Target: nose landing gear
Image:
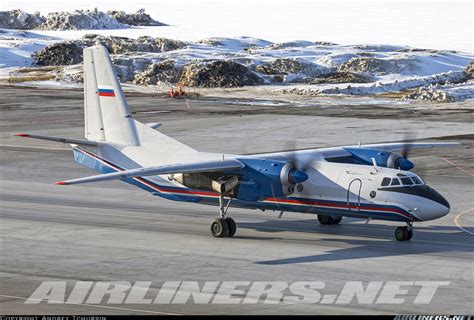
[(404, 233), (223, 226)]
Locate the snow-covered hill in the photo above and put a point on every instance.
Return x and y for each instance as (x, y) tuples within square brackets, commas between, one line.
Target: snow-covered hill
[(297, 67), (75, 20)]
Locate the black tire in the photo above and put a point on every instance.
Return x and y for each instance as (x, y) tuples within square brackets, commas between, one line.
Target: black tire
[(231, 226), (401, 234), (337, 220), (325, 219), (219, 228), (410, 235)]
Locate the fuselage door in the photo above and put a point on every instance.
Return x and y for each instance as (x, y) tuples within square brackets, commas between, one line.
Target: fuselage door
[(353, 194)]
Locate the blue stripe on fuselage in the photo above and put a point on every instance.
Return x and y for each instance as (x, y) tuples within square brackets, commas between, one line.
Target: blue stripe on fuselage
[(303, 205)]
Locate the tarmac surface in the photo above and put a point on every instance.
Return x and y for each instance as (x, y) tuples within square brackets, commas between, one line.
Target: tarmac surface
[(113, 232)]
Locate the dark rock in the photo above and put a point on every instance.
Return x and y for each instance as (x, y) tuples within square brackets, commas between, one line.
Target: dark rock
[(324, 43), (18, 19), (164, 71), (469, 71), (266, 69), (58, 54), (417, 50), (211, 42), (219, 74), (140, 18), (291, 44), (80, 19), (377, 66), (70, 52), (340, 77)]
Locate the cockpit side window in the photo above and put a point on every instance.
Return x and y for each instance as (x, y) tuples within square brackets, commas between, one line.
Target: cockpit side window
[(407, 181), (385, 182), (417, 180), (395, 182)]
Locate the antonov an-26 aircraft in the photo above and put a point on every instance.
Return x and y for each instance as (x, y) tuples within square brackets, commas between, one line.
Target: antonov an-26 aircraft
[(361, 181)]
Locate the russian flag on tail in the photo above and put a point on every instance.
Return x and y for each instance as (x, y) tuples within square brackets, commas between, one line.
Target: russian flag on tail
[(106, 92)]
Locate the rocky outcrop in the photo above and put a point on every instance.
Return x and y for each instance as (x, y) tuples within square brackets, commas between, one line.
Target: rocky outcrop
[(469, 71), (121, 45), (59, 54), (140, 18), (291, 70), (340, 77), (290, 44), (377, 66), (283, 65), (80, 19), (18, 19), (70, 52), (155, 73), (219, 74), (429, 94)]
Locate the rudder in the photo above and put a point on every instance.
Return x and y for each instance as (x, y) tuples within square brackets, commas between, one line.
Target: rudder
[(107, 115)]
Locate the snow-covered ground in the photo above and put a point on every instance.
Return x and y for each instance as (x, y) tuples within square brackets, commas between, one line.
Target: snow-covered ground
[(400, 68), (440, 24), (335, 34)]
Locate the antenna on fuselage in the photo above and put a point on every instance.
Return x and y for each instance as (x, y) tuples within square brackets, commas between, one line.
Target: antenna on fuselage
[(374, 163)]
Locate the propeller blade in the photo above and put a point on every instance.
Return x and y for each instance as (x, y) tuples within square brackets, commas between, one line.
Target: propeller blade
[(300, 163)]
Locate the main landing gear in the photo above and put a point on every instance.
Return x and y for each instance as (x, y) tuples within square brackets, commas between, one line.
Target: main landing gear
[(327, 219), (223, 226), (404, 233)]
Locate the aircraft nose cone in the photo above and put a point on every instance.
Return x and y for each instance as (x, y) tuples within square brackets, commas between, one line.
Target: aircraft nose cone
[(436, 207), (298, 176), (435, 211), (406, 165)]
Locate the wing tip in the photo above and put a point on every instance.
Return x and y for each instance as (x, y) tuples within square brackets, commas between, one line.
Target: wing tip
[(21, 135), (61, 183)]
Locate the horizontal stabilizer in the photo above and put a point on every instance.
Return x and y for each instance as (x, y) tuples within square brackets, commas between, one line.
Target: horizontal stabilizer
[(195, 167), (57, 139)]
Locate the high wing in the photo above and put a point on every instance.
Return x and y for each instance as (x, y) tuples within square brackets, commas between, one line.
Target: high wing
[(195, 167), (58, 139), (305, 155), (397, 146)]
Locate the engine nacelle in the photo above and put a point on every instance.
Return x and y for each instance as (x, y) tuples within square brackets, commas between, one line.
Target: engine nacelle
[(260, 178), (268, 178), (382, 158), (225, 185)]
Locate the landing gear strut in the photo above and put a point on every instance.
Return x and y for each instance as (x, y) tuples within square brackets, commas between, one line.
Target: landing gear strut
[(404, 233), (223, 226), (327, 219)]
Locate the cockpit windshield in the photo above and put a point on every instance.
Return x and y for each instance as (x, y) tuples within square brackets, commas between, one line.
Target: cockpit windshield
[(403, 180)]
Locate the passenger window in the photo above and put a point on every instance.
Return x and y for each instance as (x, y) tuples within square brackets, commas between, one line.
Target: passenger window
[(395, 182), (385, 182), (406, 181)]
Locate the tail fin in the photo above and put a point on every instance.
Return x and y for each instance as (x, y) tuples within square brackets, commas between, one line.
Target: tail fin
[(107, 115)]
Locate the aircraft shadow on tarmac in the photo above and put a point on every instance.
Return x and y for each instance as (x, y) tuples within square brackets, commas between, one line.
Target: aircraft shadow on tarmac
[(430, 239)]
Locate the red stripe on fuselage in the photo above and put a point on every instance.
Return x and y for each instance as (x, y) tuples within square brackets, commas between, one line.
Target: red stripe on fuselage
[(279, 200)]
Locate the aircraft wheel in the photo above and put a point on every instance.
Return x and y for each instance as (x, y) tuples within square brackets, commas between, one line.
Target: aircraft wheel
[(337, 220), (219, 228), (403, 234), (325, 219), (232, 226)]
